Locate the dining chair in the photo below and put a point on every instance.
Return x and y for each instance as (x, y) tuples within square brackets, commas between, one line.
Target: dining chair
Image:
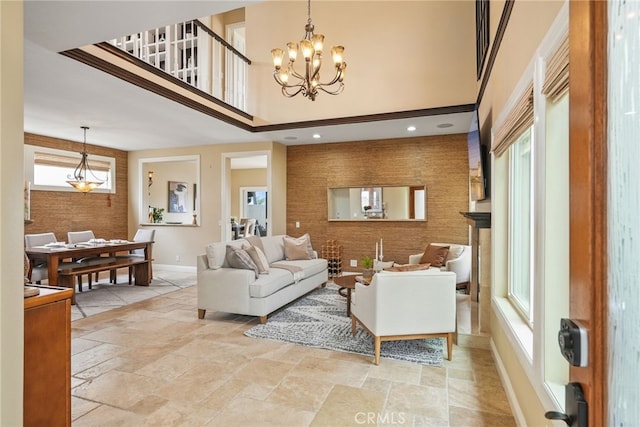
[(83, 237), (39, 269), (142, 235), (249, 226)]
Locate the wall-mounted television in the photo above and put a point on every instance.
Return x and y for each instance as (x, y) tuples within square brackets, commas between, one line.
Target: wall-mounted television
[(477, 161)]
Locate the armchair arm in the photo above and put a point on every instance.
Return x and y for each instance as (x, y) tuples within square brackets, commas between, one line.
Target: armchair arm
[(202, 263), (461, 266), (363, 303)]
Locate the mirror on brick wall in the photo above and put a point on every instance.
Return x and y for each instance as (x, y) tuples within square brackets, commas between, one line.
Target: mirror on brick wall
[(381, 202)]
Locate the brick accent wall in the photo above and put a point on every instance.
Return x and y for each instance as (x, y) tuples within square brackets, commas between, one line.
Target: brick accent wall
[(61, 211), (439, 162)]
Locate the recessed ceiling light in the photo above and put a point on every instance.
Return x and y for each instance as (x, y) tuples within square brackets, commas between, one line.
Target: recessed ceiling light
[(316, 136), (445, 125), (411, 128)]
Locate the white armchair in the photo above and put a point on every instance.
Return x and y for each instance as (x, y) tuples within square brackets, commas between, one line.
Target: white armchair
[(458, 260), (406, 306)]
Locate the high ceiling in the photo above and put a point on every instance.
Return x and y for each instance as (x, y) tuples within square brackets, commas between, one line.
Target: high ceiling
[(61, 94)]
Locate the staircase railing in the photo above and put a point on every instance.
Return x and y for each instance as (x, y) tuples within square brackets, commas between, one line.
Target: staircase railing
[(195, 54)]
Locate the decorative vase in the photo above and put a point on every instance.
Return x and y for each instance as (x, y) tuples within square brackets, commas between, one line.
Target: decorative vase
[(367, 273)]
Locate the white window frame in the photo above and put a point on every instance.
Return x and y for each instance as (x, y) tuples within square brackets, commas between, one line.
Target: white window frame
[(528, 340), (514, 242), (29, 166)]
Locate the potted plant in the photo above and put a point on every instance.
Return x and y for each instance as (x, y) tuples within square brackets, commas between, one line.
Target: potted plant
[(157, 215), (367, 264)]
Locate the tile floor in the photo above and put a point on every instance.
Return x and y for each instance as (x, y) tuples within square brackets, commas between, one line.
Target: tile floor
[(140, 361)]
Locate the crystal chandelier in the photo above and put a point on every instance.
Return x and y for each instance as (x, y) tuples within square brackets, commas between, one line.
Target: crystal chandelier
[(308, 83), (80, 174)]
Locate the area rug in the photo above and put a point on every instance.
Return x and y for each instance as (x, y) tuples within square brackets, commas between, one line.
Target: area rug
[(319, 319)]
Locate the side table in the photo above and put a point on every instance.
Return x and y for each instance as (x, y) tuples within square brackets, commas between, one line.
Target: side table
[(347, 283)]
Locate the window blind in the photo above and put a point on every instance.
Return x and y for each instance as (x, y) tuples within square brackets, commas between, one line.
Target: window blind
[(518, 120), (59, 160), (556, 79)]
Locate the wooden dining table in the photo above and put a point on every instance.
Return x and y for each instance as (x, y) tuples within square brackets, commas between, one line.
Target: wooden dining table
[(237, 228), (54, 255)]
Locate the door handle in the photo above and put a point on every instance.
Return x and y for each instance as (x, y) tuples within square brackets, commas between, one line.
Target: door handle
[(575, 407)]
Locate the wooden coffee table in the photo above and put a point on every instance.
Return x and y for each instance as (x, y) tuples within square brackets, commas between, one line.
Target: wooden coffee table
[(346, 283)]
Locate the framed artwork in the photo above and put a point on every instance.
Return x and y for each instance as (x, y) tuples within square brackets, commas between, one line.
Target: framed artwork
[(178, 197)]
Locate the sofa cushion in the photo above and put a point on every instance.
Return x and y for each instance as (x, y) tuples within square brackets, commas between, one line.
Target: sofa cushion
[(434, 255), (309, 267), (297, 248), (268, 284), (259, 259), (239, 258)]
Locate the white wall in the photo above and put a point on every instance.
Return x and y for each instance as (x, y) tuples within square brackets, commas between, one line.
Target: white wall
[(433, 67), (185, 243), (11, 213)]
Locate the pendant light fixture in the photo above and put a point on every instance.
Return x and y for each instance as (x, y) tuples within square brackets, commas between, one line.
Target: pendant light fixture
[(79, 180), (308, 82)]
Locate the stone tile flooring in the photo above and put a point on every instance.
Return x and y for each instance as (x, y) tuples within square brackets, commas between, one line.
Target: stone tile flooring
[(139, 361)]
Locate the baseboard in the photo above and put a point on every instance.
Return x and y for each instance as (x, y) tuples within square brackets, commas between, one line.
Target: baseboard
[(508, 388), (177, 268)]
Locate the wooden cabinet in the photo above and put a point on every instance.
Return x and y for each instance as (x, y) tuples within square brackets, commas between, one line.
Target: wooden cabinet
[(47, 357)]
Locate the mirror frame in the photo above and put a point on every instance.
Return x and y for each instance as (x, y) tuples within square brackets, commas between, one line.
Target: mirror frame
[(377, 210)]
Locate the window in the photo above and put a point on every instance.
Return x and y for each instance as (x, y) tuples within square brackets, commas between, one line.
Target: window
[(520, 225), (530, 217), (48, 169)]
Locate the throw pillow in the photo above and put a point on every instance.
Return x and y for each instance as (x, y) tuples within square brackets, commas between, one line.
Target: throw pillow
[(239, 258), (382, 265), (434, 255), (255, 241), (216, 254), (296, 248), (259, 259), (409, 267)]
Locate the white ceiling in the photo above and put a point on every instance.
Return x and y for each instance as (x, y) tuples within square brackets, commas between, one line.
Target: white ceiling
[(61, 94)]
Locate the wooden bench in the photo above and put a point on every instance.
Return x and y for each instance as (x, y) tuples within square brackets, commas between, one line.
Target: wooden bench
[(67, 276)]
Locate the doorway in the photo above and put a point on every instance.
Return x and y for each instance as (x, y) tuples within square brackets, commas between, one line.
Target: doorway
[(254, 205), (245, 170)]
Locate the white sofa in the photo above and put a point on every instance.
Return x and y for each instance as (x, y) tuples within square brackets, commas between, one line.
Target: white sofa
[(406, 306), (458, 260), (236, 290)]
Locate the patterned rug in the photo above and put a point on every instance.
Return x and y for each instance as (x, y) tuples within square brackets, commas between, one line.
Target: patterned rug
[(319, 319)]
